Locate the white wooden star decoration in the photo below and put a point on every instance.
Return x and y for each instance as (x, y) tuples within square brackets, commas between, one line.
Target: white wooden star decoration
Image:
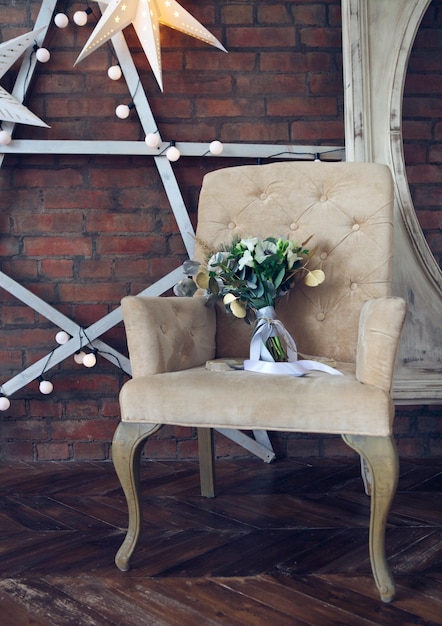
[(146, 16), (11, 110)]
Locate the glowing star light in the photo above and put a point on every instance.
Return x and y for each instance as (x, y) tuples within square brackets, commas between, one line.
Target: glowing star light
[(11, 110), (146, 16)]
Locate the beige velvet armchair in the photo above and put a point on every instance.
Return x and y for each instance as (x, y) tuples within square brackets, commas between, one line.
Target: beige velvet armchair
[(351, 318)]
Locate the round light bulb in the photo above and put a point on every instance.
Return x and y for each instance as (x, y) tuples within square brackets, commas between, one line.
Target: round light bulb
[(5, 138), (61, 337), (4, 403), (61, 20), (80, 18), (114, 72), (43, 55), (216, 147), (79, 356), (46, 387), (122, 111), (90, 360), (152, 140), (173, 154)]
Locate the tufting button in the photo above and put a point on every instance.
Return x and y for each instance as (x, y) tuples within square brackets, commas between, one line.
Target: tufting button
[(320, 317), (231, 225), (354, 286), (163, 328), (355, 227), (323, 256), (263, 196), (323, 198), (191, 332), (293, 226)]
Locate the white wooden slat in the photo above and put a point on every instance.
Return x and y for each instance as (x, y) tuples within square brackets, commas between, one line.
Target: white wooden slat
[(187, 149)]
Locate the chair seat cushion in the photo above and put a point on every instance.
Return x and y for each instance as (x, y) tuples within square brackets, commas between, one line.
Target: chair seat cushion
[(317, 402)]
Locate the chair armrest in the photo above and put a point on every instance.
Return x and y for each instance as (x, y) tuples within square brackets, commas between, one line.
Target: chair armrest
[(168, 334), (380, 326)]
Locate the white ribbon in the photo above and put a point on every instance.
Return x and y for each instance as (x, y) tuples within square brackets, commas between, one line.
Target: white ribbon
[(262, 361)]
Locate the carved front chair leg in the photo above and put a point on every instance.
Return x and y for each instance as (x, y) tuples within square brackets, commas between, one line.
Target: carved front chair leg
[(127, 446), (380, 455)]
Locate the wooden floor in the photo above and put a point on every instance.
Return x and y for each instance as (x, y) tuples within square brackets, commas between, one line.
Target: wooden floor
[(282, 544)]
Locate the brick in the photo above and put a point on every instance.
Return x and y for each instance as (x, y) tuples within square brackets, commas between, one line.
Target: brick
[(160, 449), (21, 267), (82, 199), (237, 14), (52, 452), (48, 222), (415, 130), (57, 246), (272, 132), (335, 447), (24, 430), (295, 62), (120, 223), (424, 173), (83, 430), (298, 106), (310, 15), (274, 14), (64, 177), (93, 451), (232, 107), (56, 269), (20, 314), (264, 37), (273, 84), (130, 245), (325, 84), (321, 37), (318, 132), (17, 450), (10, 359), (435, 154)]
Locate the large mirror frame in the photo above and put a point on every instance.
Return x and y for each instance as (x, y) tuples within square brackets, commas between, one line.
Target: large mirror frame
[(377, 39)]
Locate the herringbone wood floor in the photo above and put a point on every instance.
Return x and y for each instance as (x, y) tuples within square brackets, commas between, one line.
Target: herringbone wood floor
[(282, 544)]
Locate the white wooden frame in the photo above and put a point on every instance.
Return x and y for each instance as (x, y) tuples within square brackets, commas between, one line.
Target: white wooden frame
[(377, 39)]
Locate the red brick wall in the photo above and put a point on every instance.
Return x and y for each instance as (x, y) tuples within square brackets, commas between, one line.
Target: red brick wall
[(83, 231)]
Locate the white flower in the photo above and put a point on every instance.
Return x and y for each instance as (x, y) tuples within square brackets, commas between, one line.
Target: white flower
[(263, 249), (246, 259), (292, 257), (249, 243)]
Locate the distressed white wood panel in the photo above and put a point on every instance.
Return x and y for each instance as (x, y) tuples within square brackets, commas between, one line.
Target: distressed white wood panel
[(377, 39)]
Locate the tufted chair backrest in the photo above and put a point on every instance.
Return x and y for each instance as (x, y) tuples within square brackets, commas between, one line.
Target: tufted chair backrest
[(347, 207)]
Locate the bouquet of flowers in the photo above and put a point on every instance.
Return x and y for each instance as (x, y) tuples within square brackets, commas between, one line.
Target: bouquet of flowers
[(252, 274)]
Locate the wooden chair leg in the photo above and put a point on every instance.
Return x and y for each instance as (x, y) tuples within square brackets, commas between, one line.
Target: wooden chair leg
[(127, 446), (381, 457), (207, 462)]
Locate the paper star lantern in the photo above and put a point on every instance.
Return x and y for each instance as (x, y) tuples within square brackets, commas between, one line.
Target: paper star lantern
[(11, 110), (146, 16)]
